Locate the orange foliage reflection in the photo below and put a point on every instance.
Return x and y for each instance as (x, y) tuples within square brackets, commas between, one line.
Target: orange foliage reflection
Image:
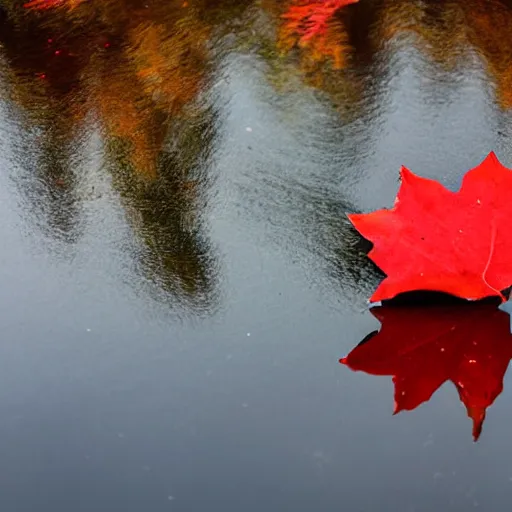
[(135, 66), (313, 27), (130, 72)]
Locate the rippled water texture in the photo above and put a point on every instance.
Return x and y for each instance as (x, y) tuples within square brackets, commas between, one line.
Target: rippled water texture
[(178, 279)]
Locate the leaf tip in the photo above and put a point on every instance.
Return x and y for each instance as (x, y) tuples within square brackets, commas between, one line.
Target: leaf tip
[(406, 173), (493, 156), (493, 159), (380, 293), (477, 415), (351, 216)]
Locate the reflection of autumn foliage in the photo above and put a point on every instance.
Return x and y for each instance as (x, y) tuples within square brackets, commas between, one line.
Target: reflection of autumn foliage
[(130, 72), (489, 32), (164, 212), (169, 67), (450, 32), (330, 45), (163, 47), (312, 27), (160, 74), (311, 19), (49, 4), (324, 61), (126, 116), (134, 72), (436, 30), (423, 347)]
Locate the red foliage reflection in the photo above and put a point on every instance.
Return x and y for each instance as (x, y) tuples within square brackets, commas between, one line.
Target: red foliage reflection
[(423, 347), (310, 18)]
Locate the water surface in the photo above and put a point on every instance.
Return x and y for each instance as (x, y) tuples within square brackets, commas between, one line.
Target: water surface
[(177, 275)]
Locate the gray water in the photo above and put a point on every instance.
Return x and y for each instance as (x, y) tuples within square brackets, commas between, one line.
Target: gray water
[(178, 279)]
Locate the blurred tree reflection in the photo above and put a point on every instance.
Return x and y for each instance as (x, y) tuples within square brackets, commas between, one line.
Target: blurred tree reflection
[(340, 60), (51, 118), (489, 33), (452, 32), (134, 72), (447, 32)]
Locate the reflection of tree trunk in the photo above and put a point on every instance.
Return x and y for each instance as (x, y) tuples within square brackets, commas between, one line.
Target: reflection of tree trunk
[(51, 118), (165, 213), (50, 187), (359, 21)]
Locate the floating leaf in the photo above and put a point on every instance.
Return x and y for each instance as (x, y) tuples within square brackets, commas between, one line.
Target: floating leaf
[(434, 239)]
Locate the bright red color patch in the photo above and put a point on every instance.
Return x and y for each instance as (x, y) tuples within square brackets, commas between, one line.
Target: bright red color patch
[(310, 18), (42, 4), (434, 239), (424, 347)]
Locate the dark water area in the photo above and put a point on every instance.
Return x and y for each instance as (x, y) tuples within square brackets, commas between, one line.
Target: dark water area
[(178, 279)]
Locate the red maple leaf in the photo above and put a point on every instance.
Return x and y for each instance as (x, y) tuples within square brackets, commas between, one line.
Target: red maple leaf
[(311, 18), (434, 239), (424, 347)]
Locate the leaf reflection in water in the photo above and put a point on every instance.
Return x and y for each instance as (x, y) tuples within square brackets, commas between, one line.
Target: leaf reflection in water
[(423, 347)]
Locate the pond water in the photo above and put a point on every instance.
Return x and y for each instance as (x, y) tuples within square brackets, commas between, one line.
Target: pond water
[(178, 280)]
